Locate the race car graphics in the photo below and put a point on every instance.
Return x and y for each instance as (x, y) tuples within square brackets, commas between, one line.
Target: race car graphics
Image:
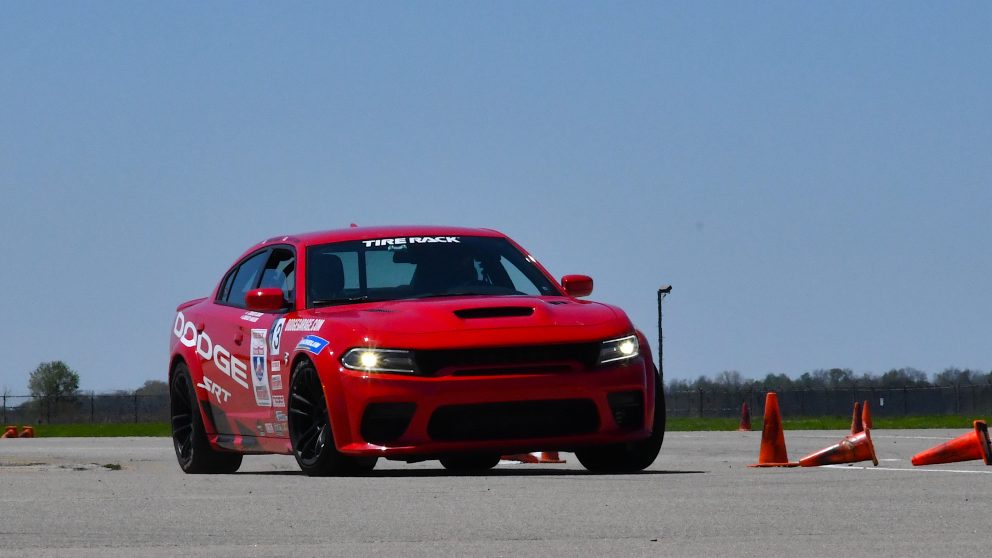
[(259, 367), (276, 336), (312, 343), (311, 324), (231, 366), (276, 379), (251, 316), (411, 240), (216, 390), (278, 401)]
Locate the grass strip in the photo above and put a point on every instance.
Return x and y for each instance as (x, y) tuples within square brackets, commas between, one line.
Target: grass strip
[(693, 424), (102, 430), (675, 424)]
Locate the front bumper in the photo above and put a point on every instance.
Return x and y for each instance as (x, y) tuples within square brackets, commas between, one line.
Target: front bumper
[(409, 417)]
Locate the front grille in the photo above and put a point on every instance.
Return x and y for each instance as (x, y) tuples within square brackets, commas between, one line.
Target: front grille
[(431, 362), (513, 421)]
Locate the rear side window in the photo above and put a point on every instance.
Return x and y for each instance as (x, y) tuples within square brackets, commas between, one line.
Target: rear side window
[(242, 279)]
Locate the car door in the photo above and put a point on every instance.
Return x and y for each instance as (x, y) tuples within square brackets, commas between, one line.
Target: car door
[(243, 334)]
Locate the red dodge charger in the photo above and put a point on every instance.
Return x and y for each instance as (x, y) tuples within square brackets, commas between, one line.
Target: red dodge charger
[(407, 343)]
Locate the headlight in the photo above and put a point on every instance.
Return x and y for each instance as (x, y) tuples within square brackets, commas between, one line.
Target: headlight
[(618, 349), (380, 360)]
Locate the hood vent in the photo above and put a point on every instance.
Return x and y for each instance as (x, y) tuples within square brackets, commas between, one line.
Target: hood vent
[(495, 312)]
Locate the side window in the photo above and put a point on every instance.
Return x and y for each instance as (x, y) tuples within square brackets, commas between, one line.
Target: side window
[(243, 279), (280, 271)]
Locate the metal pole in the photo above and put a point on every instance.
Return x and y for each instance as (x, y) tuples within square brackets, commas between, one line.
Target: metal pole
[(664, 290)]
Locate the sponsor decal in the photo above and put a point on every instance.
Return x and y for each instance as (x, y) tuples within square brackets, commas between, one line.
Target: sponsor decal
[(260, 427), (304, 324), (276, 336), (411, 240), (279, 428), (216, 390), (276, 378), (275, 365), (259, 367), (230, 366), (251, 316), (269, 429), (278, 401), (312, 343), (281, 416)]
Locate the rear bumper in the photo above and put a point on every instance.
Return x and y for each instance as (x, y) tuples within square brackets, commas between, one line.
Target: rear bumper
[(415, 417)]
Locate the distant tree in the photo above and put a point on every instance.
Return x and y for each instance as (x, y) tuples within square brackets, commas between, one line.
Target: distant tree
[(675, 385), (729, 379), (778, 382), (53, 379), (153, 387), (956, 376), (904, 377)]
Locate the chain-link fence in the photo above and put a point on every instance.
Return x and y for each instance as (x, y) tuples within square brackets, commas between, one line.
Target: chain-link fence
[(84, 408), (947, 400), (909, 401)]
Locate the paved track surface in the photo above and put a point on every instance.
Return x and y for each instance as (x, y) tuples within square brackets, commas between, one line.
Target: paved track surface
[(57, 498)]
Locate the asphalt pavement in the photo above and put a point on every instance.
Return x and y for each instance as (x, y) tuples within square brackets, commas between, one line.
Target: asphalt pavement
[(112, 497)]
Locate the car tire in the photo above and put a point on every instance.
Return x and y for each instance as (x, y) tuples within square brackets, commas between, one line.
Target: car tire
[(189, 437), (310, 429), (632, 456), (470, 462)]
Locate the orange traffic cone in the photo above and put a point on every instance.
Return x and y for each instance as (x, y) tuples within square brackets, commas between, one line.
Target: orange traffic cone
[(745, 418), (973, 445), (27, 432), (853, 448), (521, 457), (10, 432), (856, 424), (866, 416), (550, 457), (772, 452)]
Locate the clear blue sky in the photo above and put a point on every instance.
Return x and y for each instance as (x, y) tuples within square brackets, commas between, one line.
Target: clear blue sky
[(815, 179)]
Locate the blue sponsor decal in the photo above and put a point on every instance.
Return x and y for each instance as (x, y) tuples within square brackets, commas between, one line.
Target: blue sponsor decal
[(312, 343)]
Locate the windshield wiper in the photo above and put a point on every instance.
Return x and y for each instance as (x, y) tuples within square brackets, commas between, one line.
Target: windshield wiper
[(334, 301)]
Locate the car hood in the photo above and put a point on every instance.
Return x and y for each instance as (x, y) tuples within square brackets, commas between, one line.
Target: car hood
[(476, 320)]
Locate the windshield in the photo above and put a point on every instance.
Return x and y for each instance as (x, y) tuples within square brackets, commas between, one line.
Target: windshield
[(419, 267)]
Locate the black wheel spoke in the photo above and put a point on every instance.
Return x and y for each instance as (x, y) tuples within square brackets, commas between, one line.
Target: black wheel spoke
[(305, 439), (183, 428), (301, 399)]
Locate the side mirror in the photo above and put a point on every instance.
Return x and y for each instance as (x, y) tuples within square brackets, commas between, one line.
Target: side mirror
[(577, 285), (269, 299)]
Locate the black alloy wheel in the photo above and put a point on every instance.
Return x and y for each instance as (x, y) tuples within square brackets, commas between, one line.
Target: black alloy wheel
[(630, 457), (189, 436), (310, 429)]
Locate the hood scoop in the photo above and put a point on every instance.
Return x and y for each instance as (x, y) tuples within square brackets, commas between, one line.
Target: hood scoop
[(494, 312)]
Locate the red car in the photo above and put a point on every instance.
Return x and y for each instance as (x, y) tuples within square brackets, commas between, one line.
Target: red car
[(408, 343)]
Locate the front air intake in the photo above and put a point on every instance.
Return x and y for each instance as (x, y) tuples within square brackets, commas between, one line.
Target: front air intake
[(494, 312)]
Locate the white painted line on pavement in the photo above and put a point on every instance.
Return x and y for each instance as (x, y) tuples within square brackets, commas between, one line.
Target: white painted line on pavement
[(914, 470)]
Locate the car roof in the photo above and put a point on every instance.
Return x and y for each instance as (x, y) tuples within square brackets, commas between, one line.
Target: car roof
[(369, 233)]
